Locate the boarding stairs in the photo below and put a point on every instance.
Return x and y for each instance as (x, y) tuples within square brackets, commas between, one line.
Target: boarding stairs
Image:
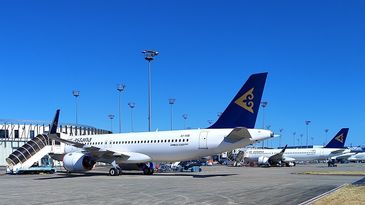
[(28, 154)]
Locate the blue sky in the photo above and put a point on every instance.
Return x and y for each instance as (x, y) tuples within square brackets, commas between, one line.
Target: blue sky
[(313, 50)]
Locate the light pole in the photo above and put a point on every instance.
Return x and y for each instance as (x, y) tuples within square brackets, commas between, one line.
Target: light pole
[(111, 117), (171, 102), (281, 133), (267, 142), (76, 94), (263, 105), (326, 131), (301, 139), (294, 138), (149, 56), (132, 105), (120, 88), (185, 116), (307, 122)]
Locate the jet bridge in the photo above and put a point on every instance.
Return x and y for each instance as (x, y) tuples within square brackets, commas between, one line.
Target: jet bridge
[(32, 151)]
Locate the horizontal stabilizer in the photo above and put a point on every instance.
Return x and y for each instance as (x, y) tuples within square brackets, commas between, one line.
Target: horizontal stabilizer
[(237, 134)]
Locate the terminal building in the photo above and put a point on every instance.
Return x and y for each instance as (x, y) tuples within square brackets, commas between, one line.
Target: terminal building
[(15, 133)]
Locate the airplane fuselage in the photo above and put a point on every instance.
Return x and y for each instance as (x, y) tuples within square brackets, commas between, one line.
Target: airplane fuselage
[(305, 154), (167, 145)]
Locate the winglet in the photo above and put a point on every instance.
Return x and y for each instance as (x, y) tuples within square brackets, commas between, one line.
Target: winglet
[(339, 140), (243, 109), (54, 124), (282, 151)]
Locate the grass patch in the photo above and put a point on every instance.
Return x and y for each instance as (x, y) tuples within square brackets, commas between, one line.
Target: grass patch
[(347, 173), (349, 194)]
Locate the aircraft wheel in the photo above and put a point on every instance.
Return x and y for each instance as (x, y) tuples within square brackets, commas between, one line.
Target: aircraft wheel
[(146, 171), (113, 172), (151, 171)]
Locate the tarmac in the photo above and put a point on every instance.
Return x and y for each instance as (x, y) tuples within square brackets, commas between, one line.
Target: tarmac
[(214, 185)]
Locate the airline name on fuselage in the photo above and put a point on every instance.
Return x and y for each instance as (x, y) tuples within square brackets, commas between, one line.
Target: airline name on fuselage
[(83, 140)]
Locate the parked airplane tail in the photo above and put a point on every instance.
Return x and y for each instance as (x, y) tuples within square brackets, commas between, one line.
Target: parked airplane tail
[(54, 124), (339, 140), (243, 109)]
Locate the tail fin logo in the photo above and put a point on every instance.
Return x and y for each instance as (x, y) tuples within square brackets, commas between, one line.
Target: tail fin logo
[(340, 138), (246, 101)]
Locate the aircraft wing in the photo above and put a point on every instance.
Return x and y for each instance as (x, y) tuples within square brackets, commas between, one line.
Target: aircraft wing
[(274, 159), (96, 152)]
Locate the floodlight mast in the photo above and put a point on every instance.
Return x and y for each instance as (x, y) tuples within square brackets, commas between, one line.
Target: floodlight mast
[(171, 102), (120, 88), (149, 56), (307, 122), (111, 117), (76, 94), (132, 105)]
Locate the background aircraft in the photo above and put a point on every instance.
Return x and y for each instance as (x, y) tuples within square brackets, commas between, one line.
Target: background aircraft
[(288, 157)]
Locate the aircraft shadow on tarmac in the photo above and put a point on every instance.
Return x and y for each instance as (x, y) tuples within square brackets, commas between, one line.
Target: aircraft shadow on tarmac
[(62, 175)]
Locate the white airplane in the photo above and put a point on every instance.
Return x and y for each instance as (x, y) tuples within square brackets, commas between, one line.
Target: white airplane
[(357, 157), (288, 157), (232, 130), (352, 156)]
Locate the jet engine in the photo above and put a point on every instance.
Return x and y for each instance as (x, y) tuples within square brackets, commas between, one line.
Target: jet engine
[(78, 162), (262, 160)]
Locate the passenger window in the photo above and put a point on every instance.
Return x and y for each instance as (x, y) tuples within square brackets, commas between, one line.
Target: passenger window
[(179, 140)]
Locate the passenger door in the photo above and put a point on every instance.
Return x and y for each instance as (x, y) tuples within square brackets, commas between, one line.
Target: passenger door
[(203, 140)]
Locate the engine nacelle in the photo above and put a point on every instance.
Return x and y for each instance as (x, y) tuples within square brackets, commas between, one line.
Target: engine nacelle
[(78, 162), (262, 160)]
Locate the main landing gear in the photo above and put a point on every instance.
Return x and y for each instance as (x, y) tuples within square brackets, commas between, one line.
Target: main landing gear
[(148, 169), (116, 170)]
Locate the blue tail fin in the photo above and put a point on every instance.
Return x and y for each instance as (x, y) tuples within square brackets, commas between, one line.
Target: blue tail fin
[(242, 111), (55, 123), (339, 140)]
